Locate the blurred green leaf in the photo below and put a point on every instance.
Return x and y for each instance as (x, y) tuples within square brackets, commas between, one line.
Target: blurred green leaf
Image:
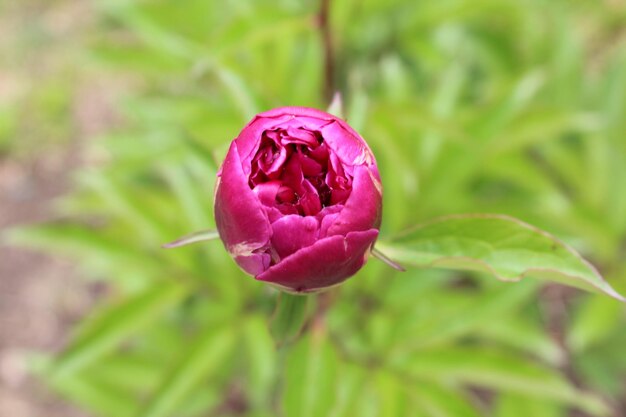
[(350, 395), (439, 401), (103, 399), (500, 245), (499, 371), (101, 251), (310, 372), (261, 361), (512, 405), (115, 324), (524, 334), (472, 315), (594, 321), (203, 356)]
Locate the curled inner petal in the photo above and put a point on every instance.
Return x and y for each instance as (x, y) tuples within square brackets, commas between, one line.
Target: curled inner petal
[(295, 172)]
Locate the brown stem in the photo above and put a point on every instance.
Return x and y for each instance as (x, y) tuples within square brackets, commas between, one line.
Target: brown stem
[(327, 45)]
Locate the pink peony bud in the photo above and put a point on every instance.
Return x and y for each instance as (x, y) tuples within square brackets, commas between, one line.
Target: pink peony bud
[(298, 200)]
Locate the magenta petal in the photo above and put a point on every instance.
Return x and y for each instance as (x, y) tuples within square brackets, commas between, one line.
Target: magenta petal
[(310, 167), (297, 111), (301, 137), (363, 209), (249, 138), (328, 216), (240, 217), (254, 264), (272, 166), (310, 200), (292, 233), (293, 176), (327, 262), (347, 144), (266, 192), (298, 117), (274, 213)]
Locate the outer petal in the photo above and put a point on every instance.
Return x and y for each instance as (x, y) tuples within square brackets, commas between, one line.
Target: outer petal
[(349, 146), (254, 263), (363, 209), (249, 138), (240, 217), (292, 233), (328, 262), (298, 111), (327, 218)]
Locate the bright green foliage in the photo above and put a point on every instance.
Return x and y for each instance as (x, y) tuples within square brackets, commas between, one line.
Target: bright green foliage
[(471, 106), (500, 245)]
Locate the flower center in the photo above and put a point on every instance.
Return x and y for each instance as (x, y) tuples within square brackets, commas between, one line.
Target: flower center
[(296, 172)]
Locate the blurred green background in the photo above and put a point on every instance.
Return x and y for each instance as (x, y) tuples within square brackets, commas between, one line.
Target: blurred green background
[(114, 115)]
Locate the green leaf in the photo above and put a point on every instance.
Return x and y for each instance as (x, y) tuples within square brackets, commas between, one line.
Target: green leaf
[(390, 394), (499, 371), (134, 372), (475, 314), (503, 246), (188, 195), (205, 354), (522, 333), (511, 405), (108, 329), (437, 401), (350, 398), (200, 236), (594, 322), (311, 369), (103, 399), (261, 360)]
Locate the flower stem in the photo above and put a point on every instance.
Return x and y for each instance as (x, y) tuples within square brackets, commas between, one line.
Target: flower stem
[(289, 317)]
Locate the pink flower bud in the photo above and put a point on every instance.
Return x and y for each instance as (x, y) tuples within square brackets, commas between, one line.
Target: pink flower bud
[(298, 200)]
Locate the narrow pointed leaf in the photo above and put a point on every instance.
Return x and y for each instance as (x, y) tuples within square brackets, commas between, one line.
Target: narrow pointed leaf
[(201, 236), (203, 356), (310, 377), (384, 258), (108, 329)]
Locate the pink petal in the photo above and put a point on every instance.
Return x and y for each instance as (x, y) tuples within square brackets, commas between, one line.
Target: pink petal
[(310, 167), (310, 200), (249, 138), (301, 137), (266, 192), (347, 144), (363, 209), (292, 175), (254, 264), (240, 217), (297, 111), (328, 262), (307, 117), (292, 233), (327, 217)]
